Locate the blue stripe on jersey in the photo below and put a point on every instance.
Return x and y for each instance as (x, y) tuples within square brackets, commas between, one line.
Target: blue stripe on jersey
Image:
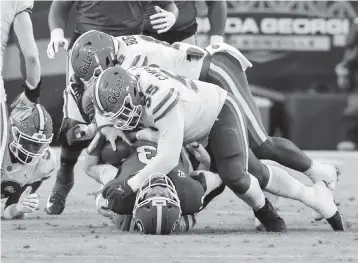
[(135, 61), (165, 100), (174, 103), (145, 62)]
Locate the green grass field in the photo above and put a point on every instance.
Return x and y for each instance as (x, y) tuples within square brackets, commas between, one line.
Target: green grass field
[(224, 233)]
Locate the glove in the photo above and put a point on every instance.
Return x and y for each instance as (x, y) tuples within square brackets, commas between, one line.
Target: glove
[(216, 40), (80, 132), (57, 40), (112, 133), (162, 21), (199, 152), (27, 202), (116, 190)]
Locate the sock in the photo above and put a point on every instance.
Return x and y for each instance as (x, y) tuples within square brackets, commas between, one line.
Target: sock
[(282, 184), (254, 196), (318, 172), (213, 181)]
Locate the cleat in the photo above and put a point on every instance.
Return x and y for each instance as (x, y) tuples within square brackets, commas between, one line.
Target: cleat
[(55, 203), (273, 200), (336, 222), (268, 216), (326, 207), (57, 200)]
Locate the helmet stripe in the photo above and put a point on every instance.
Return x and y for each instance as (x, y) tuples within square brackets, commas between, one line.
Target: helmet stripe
[(159, 219), (42, 118)]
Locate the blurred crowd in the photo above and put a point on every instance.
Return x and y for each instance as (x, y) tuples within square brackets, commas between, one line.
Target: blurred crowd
[(347, 80)]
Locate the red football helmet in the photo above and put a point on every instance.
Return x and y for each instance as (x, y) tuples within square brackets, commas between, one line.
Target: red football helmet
[(31, 134), (117, 97), (157, 206), (92, 53)]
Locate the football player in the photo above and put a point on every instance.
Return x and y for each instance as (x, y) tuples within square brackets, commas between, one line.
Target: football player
[(183, 114), (28, 159), (113, 17), (158, 98), (218, 64), (16, 14), (191, 190)]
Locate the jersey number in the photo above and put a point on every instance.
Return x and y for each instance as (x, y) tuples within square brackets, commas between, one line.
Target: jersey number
[(146, 153), (130, 40)]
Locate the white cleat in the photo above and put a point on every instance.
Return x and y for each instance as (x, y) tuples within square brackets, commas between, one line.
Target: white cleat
[(326, 207), (331, 184)]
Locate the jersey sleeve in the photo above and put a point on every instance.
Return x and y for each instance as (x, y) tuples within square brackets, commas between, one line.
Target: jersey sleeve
[(47, 164), (22, 6)]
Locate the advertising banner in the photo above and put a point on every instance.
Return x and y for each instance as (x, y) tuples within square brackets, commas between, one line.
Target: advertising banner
[(292, 44)]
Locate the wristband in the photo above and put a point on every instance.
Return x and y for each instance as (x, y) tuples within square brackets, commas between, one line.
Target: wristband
[(33, 95)]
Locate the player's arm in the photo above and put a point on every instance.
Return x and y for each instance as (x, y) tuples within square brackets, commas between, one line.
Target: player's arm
[(102, 173), (171, 134), (58, 14), (57, 18), (47, 164), (25, 40), (217, 14)]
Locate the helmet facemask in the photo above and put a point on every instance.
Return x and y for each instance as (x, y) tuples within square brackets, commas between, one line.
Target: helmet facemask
[(157, 190), (29, 149), (127, 117)]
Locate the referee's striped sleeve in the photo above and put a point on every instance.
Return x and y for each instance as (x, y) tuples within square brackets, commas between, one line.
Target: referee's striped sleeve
[(166, 105)]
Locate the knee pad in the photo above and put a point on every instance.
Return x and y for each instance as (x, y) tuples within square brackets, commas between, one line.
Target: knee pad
[(66, 125)]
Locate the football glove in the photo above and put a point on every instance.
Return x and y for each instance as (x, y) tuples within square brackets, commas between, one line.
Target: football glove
[(57, 40), (28, 202)]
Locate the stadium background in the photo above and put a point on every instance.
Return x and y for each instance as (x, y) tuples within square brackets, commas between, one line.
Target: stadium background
[(294, 46)]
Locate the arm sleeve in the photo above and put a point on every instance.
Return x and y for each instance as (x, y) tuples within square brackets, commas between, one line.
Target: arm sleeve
[(217, 14), (171, 135), (58, 14)]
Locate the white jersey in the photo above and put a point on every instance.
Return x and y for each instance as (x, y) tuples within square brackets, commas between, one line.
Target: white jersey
[(141, 51), (9, 9), (200, 102), (15, 176)]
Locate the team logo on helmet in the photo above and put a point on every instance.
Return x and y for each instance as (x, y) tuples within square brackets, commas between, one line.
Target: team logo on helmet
[(87, 61)]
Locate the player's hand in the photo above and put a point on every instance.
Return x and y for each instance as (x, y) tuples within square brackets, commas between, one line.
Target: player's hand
[(162, 21), (116, 192), (80, 132), (111, 133), (28, 202), (57, 40)]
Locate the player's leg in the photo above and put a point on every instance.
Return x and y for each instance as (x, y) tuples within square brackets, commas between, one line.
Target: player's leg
[(69, 154), (229, 148), (226, 71), (277, 181), (3, 121)]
